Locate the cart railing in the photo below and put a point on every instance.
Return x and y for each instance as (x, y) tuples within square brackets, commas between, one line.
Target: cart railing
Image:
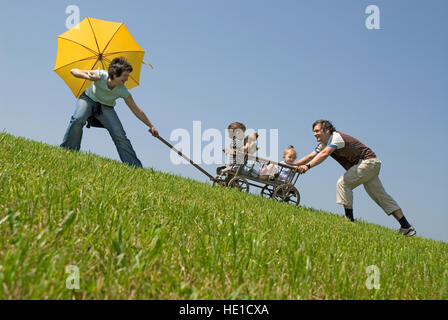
[(291, 178), (257, 158)]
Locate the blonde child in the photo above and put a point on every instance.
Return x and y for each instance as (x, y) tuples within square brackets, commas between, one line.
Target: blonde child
[(289, 156), (281, 173)]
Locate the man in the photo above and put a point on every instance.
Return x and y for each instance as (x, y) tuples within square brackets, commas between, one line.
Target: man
[(362, 167)]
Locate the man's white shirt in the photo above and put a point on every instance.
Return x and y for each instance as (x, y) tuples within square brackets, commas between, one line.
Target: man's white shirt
[(334, 141)]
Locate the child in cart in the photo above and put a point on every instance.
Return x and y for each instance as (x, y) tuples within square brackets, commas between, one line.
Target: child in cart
[(236, 131), (278, 172)]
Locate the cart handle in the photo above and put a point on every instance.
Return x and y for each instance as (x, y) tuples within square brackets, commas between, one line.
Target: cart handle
[(185, 157)]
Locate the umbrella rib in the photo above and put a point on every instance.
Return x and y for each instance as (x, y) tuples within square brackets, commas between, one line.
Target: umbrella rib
[(111, 53), (134, 80), (84, 82), (112, 37), (102, 63), (107, 60), (85, 59), (96, 53), (94, 35)]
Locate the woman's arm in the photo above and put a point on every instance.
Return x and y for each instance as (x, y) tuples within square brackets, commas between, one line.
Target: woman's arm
[(85, 74), (140, 115)]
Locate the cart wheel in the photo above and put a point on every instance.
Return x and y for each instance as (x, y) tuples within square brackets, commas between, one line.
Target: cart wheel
[(267, 191), (239, 183), (287, 193), (219, 182)]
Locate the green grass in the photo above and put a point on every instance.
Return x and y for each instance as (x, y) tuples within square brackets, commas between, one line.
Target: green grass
[(142, 234)]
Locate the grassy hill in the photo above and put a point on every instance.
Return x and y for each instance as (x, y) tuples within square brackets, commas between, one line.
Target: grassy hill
[(142, 234)]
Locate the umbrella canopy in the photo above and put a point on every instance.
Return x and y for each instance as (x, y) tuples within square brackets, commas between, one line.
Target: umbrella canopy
[(93, 44)]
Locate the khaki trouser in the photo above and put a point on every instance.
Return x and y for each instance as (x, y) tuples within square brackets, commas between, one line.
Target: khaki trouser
[(365, 172)]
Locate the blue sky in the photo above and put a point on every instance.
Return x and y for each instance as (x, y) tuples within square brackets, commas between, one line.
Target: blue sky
[(270, 64)]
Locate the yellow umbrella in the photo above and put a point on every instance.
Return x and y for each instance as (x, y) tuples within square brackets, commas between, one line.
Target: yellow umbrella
[(93, 44)]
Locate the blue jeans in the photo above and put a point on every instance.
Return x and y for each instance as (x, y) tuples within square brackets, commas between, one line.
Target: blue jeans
[(110, 121)]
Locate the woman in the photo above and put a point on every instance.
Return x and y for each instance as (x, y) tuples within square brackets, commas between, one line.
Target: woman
[(97, 103)]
